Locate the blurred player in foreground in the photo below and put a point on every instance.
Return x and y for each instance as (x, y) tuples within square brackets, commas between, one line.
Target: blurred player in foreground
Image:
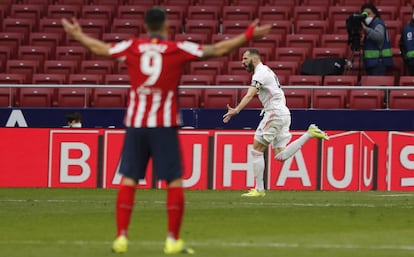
[(152, 118), (274, 127)]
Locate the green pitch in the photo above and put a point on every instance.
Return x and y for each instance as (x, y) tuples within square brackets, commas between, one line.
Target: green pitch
[(80, 223)]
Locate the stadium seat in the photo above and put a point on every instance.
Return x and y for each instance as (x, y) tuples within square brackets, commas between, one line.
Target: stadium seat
[(283, 2), (341, 12), (274, 12), (147, 3), (238, 13), (297, 54), (116, 37), (219, 3), (35, 97), (105, 12), (73, 97), (193, 37), (63, 11), (219, 98), (327, 52), (27, 11), (50, 79), (401, 99), (136, 12), (396, 3), (196, 79), (305, 80), (6, 52), (71, 53), (350, 2), (50, 25), (178, 2), (13, 39), (94, 26), (266, 53), (175, 27), (405, 14), (237, 80), (302, 40), (211, 68), (121, 68), (236, 68), (85, 79), (297, 98), (329, 99), (189, 98), (235, 26), (221, 36), (334, 40), (19, 25), (248, 2), (377, 80), (280, 27), (271, 41), (366, 99), (116, 79), (318, 2), (283, 68), (394, 27), (207, 27), (48, 39), (253, 104), (316, 27), (12, 78), (39, 53), (406, 81), (343, 80), (115, 3), (339, 27), (60, 67), (303, 12), (388, 12), (176, 12), (82, 2), (27, 67), (109, 97), (204, 12), (7, 96), (97, 66)]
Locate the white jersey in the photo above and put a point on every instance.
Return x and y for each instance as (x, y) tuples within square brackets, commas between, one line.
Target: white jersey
[(270, 94)]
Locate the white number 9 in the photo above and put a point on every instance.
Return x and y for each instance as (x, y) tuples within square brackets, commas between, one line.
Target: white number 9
[(151, 65)]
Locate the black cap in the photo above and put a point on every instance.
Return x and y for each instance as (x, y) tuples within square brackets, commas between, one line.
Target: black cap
[(155, 17)]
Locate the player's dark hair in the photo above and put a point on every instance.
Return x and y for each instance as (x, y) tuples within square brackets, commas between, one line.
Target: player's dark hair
[(253, 51), (73, 116), (372, 8), (155, 18)]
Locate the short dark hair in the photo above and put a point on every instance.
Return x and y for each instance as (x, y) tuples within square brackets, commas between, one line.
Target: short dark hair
[(73, 116), (155, 17), (371, 7), (253, 51)]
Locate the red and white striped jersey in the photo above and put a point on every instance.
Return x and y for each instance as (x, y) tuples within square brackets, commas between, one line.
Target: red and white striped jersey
[(155, 67)]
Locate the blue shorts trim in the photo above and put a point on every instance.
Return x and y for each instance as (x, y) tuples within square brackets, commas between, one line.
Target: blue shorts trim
[(160, 144)]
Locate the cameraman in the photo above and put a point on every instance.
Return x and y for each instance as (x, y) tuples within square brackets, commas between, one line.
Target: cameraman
[(377, 47), (407, 45)]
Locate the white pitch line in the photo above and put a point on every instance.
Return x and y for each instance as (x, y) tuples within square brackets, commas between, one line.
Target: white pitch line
[(223, 244)]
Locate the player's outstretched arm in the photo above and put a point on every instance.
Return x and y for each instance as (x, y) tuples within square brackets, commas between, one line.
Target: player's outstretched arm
[(94, 45), (226, 46), (245, 100)]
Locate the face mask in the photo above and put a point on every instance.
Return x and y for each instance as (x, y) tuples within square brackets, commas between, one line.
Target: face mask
[(368, 20)]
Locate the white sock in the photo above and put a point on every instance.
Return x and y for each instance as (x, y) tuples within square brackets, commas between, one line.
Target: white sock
[(258, 168), (293, 147)]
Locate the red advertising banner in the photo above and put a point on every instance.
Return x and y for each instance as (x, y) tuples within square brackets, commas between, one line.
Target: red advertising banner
[(296, 173), (23, 157), (73, 158), (401, 161)]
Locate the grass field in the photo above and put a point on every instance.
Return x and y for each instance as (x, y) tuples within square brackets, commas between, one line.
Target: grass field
[(80, 222)]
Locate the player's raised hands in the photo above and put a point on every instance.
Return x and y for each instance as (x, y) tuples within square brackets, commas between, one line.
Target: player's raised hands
[(260, 31), (72, 28)]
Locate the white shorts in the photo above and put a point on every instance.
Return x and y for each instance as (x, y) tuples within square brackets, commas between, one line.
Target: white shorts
[(273, 130)]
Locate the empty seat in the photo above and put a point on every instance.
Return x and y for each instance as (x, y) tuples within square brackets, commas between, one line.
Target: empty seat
[(82, 2), (219, 98), (270, 41), (283, 68), (237, 80), (339, 27), (97, 12), (176, 12), (50, 79), (142, 2), (116, 79), (132, 12), (405, 14), (27, 67), (13, 39), (6, 52), (319, 2), (329, 99), (236, 68), (207, 27), (283, 2), (121, 68), (71, 53), (116, 37), (60, 67), (94, 26), (401, 99), (189, 98), (195, 79), (212, 68), (253, 104), (130, 26), (7, 96), (20, 25), (297, 98), (366, 99), (310, 12), (238, 13), (406, 81), (305, 80), (341, 12), (27, 11), (291, 54), (85, 79), (63, 11), (35, 97), (203, 12), (274, 12), (316, 27), (394, 27), (73, 97), (193, 37), (97, 66), (343, 80), (12, 78), (302, 40), (265, 53), (327, 52), (388, 12), (178, 2), (40, 53), (48, 39), (50, 25), (377, 81), (334, 40), (235, 26), (279, 27), (109, 97)]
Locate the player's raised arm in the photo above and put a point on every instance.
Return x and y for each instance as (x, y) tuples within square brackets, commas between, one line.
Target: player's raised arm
[(226, 46), (94, 45)]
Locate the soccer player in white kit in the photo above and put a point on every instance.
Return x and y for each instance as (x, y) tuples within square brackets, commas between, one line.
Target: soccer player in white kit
[(274, 127)]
